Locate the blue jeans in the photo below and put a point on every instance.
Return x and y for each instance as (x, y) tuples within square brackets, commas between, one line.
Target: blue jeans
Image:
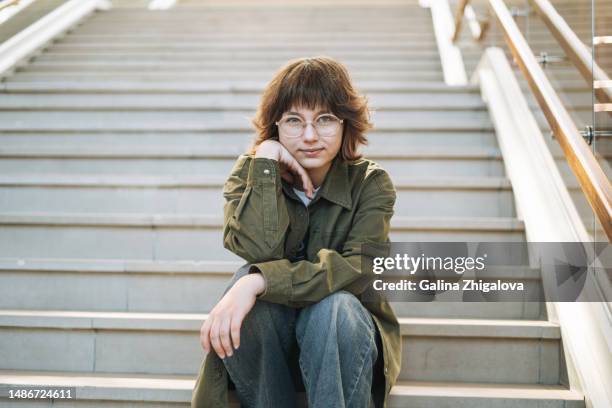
[(336, 343)]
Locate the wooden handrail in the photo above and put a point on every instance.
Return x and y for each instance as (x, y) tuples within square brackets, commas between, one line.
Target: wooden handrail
[(593, 181), (459, 18), (465, 10), (575, 49), (8, 3)]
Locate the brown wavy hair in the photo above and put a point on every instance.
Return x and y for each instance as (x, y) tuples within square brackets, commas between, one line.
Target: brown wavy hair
[(314, 82)]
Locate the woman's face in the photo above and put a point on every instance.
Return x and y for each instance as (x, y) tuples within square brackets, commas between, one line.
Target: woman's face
[(311, 150)]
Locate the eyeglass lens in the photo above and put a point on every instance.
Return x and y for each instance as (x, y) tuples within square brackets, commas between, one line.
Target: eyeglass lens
[(325, 125)]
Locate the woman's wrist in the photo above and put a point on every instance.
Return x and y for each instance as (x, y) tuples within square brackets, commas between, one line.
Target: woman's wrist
[(255, 282), (268, 151)]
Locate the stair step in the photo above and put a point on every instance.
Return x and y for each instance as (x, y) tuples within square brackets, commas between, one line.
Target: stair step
[(195, 287), (483, 166), (231, 153), (116, 390), (425, 197), (252, 47), (225, 62), (196, 237), (214, 86), (78, 32), (477, 395), (432, 161), (193, 67), (282, 50), (76, 36), (406, 140), (217, 102), (280, 30), (186, 181), (233, 121), (208, 75), (224, 42), (464, 350)]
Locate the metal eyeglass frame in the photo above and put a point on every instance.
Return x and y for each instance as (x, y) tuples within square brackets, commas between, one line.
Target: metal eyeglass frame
[(310, 122)]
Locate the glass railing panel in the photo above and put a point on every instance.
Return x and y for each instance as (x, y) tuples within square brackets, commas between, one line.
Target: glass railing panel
[(574, 90), (602, 109), (570, 84)]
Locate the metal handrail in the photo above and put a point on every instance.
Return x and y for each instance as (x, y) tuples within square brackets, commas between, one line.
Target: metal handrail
[(592, 179)]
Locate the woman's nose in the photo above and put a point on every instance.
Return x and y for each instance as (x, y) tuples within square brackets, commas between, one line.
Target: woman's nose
[(310, 133)]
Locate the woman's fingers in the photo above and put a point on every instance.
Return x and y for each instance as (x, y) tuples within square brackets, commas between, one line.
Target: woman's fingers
[(220, 333), (306, 183), (297, 169), (204, 333), (287, 176), (308, 187), (290, 163), (235, 329), (215, 339), (224, 333)]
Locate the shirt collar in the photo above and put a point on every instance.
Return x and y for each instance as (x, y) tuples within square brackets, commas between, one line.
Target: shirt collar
[(335, 187)]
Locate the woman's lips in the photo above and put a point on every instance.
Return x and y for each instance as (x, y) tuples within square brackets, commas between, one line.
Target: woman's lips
[(312, 152)]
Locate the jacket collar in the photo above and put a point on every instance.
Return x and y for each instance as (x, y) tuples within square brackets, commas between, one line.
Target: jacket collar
[(335, 187)]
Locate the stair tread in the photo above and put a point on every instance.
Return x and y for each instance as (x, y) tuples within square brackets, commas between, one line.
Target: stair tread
[(230, 153), (109, 383), (215, 221), (72, 265), (178, 181), (409, 326), (482, 390), (218, 86)]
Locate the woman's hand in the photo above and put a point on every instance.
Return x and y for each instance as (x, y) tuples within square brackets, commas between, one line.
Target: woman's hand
[(226, 317), (274, 150)]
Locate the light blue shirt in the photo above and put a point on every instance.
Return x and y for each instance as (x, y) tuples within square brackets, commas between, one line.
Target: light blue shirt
[(302, 195)]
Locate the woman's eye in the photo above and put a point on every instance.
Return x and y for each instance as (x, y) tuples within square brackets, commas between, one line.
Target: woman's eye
[(293, 121), (325, 119)]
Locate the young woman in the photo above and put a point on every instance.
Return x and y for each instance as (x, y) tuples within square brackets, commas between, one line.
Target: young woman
[(298, 208)]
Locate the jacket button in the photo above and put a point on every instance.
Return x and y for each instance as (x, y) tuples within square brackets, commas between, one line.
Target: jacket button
[(386, 370), (266, 171)]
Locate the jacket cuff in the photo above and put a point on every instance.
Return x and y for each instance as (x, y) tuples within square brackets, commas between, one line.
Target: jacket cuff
[(278, 282), (264, 171)]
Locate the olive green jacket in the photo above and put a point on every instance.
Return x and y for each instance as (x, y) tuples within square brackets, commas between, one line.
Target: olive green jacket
[(265, 222)]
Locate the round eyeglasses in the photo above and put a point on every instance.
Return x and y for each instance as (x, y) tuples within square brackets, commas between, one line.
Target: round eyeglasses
[(326, 125)]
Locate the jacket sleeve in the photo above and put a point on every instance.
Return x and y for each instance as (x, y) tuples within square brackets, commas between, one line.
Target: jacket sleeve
[(301, 283), (255, 212)]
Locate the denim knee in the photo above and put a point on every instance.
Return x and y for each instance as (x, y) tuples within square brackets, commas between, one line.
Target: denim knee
[(265, 320), (337, 339), (345, 311)]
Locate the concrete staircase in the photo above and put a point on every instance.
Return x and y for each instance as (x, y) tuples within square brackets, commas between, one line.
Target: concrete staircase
[(116, 140)]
